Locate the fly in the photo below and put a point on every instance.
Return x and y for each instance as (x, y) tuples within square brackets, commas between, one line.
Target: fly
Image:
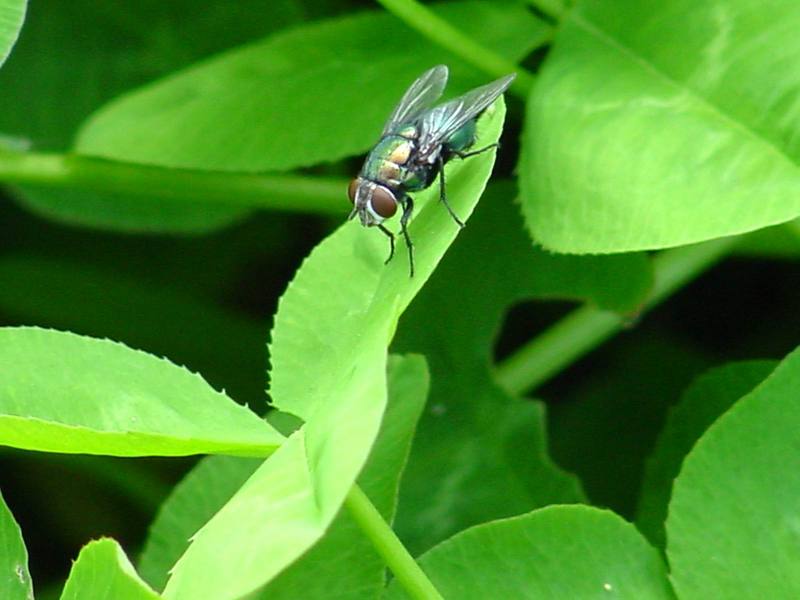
[(416, 142)]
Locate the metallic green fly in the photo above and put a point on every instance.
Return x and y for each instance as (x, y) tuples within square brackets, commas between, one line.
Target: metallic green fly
[(416, 142)]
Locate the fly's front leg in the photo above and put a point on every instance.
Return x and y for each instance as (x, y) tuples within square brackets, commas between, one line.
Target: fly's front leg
[(408, 208), (390, 235), (443, 195)]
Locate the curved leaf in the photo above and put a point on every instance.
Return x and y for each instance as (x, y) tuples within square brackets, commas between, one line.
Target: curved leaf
[(12, 14), (702, 403), (553, 553), (103, 572), (126, 213), (60, 392), (732, 529), (102, 53), (284, 102), (659, 124), (15, 579)]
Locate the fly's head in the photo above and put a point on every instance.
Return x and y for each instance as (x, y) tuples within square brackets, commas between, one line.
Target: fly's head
[(372, 202)]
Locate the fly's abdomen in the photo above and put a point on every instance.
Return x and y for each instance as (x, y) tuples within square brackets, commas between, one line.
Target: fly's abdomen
[(463, 138)]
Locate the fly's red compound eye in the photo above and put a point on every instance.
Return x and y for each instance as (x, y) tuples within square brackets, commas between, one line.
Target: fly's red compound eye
[(383, 202), (351, 190)]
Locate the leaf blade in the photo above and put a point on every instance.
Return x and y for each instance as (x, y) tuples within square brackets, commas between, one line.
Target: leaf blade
[(60, 392), (674, 148)]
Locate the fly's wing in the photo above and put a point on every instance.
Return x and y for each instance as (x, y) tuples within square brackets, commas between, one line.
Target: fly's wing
[(422, 94), (438, 124)]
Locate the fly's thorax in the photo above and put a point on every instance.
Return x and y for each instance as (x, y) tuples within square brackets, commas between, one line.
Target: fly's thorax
[(387, 161)]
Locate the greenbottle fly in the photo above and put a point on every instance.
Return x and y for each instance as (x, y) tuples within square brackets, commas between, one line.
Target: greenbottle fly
[(416, 142)]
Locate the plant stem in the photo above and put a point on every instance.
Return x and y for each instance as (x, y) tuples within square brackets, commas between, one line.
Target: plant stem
[(407, 572), (587, 327), (443, 33), (295, 193)]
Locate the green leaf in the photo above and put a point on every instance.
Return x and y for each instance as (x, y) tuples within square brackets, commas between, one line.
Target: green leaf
[(650, 127), (12, 14), (60, 392), (702, 403), (68, 294), (342, 562), (780, 242), (103, 572), (15, 579), (557, 552), (118, 47), (282, 103), (732, 525), (341, 309), (481, 450), (126, 213)]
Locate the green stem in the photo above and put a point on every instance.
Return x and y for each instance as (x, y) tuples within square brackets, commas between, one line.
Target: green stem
[(443, 33), (587, 327), (295, 193), (407, 572)]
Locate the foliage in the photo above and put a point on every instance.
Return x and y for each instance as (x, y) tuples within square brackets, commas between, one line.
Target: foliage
[(150, 164)]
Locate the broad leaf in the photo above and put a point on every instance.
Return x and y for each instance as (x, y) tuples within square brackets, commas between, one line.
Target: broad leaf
[(282, 103), (67, 294), (103, 572), (703, 402), (102, 52), (12, 13), (656, 124), (732, 526), (553, 553), (126, 212), (342, 309), (15, 579), (60, 392), (782, 241)]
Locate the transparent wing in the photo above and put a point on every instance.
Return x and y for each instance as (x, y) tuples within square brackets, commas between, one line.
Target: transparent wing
[(422, 94), (440, 123)]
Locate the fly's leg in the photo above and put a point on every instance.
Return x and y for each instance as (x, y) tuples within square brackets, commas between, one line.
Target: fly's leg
[(408, 208), (390, 235), (443, 195), (460, 154)]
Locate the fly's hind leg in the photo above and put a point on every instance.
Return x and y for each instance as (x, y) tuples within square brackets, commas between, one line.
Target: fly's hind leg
[(390, 235), (443, 194), (460, 154), (408, 208)]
